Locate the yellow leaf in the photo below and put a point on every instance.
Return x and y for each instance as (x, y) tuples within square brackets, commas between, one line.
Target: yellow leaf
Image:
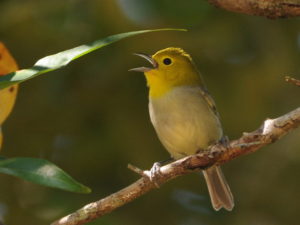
[(7, 95)]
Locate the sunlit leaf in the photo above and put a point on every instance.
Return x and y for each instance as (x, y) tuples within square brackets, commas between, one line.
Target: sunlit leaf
[(8, 95), (56, 61), (41, 172)]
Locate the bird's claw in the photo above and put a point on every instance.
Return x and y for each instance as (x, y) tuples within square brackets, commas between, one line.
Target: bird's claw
[(155, 173), (225, 141)]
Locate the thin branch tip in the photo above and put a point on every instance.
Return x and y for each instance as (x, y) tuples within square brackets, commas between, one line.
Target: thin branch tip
[(135, 169), (292, 80)]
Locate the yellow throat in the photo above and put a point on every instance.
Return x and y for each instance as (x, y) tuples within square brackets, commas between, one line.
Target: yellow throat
[(174, 68)]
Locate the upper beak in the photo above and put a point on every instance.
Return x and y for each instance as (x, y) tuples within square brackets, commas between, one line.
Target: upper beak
[(149, 59)]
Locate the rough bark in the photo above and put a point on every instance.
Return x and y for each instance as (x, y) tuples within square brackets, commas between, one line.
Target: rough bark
[(267, 8)]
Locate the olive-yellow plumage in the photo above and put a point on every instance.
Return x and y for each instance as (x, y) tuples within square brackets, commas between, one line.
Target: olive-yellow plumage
[(184, 115), (7, 95), (181, 73)]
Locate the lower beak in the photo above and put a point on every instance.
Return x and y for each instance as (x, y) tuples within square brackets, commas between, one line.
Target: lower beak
[(145, 69)]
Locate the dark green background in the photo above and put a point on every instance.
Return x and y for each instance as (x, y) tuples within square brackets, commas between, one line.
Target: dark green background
[(91, 117)]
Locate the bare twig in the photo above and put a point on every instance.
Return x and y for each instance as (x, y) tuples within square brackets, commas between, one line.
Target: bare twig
[(136, 170), (270, 131), (292, 80), (268, 8)]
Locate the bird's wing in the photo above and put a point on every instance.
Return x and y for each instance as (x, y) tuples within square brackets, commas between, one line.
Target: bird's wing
[(210, 101)]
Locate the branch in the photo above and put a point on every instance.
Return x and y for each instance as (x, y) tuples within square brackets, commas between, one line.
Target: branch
[(270, 131), (292, 80), (267, 8)]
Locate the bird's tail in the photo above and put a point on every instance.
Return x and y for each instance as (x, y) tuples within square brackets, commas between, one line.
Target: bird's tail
[(219, 191)]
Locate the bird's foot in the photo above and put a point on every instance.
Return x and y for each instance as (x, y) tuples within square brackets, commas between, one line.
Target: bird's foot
[(224, 141), (155, 173)]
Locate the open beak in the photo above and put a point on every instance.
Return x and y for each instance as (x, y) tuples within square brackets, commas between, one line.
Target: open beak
[(145, 69)]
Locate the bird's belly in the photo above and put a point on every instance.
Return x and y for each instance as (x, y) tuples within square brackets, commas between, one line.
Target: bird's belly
[(184, 122)]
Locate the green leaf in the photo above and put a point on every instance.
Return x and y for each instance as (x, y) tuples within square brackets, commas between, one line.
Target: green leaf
[(41, 172), (56, 61)]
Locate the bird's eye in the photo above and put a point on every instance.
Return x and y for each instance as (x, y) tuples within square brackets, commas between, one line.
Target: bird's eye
[(167, 61)]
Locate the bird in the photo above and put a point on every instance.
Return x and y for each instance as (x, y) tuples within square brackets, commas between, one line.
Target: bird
[(184, 114), (7, 95)]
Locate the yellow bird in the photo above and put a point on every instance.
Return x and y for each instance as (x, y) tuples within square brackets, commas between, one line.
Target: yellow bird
[(184, 114), (7, 95)]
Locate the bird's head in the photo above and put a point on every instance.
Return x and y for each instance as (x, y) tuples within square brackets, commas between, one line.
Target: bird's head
[(171, 67)]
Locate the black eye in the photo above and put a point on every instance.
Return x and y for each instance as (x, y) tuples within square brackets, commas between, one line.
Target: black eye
[(167, 61)]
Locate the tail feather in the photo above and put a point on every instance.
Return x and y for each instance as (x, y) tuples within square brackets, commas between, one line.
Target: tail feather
[(219, 191)]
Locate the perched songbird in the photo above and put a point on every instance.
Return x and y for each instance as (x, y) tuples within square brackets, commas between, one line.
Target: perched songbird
[(7, 95), (184, 114)]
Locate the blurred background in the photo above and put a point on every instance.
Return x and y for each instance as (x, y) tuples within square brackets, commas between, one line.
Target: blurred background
[(91, 117)]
